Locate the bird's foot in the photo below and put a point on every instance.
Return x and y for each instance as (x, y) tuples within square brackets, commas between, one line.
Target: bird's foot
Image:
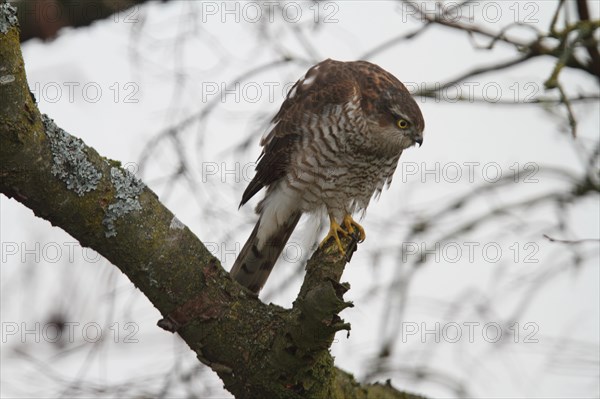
[(351, 228), (334, 230)]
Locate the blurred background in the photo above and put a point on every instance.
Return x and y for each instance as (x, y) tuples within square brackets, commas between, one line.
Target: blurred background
[(479, 276)]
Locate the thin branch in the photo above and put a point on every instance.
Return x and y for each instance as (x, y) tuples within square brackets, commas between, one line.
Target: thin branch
[(393, 41), (583, 240), (571, 115), (474, 72), (552, 29), (592, 45)]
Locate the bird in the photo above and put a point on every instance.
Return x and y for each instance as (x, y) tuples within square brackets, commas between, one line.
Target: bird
[(332, 146)]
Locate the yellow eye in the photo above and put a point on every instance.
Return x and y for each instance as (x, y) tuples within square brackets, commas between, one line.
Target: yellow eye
[(402, 123)]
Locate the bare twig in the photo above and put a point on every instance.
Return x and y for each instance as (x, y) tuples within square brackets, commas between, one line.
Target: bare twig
[(571, 115), (581, 241)]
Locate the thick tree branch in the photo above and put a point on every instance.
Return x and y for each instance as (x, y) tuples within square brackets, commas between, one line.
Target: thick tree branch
[(258, 350), (43, 19)]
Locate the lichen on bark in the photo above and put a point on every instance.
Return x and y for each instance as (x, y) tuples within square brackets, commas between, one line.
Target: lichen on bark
[(127, 191), (8, 17), (70, 161)]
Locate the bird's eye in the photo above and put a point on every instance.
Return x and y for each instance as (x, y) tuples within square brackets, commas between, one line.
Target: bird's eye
[(402, 123)]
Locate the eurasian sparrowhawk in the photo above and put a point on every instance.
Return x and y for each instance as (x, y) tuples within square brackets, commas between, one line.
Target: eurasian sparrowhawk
[(334, 143)]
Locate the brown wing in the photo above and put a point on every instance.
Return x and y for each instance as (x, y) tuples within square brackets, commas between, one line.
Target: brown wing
[(325, 84), (272, 164)]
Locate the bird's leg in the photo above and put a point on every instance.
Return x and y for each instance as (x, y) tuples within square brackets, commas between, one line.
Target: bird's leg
[(334, 230), (351, 225)]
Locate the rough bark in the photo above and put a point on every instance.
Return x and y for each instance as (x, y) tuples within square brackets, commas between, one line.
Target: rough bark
[(258, 350)]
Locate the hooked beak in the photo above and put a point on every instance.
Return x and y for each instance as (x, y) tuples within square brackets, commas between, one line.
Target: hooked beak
[(418, 140)]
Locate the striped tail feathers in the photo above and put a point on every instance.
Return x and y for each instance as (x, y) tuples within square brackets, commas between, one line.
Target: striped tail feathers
[(261, 251)]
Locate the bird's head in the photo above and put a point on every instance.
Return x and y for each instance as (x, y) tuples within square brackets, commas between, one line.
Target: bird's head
[(397, 121), (393, 116), (403, 121)]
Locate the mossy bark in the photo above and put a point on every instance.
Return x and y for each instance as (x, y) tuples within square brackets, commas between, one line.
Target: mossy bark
[(258, 350)]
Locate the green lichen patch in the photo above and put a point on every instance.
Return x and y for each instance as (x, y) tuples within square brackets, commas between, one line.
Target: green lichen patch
[(70, 162), (8, 17), (128, 188)]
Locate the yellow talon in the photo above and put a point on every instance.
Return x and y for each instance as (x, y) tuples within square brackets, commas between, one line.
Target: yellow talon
[(350, 225), (335, 230)]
